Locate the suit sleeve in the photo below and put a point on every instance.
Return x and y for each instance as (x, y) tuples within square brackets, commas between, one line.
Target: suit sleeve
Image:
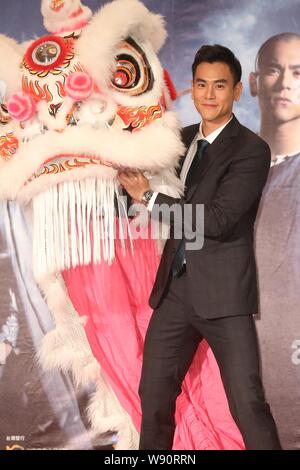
[(239, 189)]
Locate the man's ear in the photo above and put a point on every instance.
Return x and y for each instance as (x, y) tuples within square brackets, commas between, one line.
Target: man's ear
[(238, 90), (253, 83)]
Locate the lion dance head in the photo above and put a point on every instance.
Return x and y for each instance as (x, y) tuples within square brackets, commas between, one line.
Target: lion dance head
[(78, 105)]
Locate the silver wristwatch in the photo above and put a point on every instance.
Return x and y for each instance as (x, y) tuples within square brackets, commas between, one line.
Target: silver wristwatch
[(147, 196)]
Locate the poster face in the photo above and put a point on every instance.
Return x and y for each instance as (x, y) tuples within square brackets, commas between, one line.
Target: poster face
[(41, 410)]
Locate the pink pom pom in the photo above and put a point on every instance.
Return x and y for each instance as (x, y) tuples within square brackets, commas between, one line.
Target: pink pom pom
[(79, 86), (21, 106)]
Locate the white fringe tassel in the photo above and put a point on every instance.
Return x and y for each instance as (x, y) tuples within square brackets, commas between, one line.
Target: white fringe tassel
[(74, 224)]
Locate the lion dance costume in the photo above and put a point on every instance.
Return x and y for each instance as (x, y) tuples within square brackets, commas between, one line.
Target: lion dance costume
[(77, 105)]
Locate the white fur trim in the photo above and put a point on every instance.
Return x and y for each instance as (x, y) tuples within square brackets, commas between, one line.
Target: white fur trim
[(66, 348), (55, 295), (168, 183), (153, 148), (62, 20), (11, 58), (102, 419)]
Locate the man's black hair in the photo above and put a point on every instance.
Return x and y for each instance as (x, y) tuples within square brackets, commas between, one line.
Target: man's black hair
[(218, 53)]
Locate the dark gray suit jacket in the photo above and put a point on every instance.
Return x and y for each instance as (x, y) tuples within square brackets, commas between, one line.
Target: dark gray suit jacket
[(222, 275)]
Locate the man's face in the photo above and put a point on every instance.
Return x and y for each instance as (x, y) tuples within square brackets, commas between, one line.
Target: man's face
[(278, 81), (214, 92)]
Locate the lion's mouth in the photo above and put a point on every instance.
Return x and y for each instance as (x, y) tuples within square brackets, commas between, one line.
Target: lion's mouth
[(126, 120), (62, 164)]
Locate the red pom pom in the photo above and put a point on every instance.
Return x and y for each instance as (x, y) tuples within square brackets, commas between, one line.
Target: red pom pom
[(79, 86), (21, 106)]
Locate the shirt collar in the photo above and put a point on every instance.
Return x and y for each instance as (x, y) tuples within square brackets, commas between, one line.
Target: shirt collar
[(213, 135)]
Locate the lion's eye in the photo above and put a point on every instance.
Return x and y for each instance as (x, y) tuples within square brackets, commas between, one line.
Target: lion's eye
[(127, 74), (133, 74)]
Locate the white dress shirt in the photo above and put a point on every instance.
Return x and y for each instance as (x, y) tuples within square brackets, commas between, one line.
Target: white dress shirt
[(190, 155)]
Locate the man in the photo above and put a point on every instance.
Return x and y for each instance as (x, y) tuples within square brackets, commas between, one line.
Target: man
[(211, 292), (276, 83)]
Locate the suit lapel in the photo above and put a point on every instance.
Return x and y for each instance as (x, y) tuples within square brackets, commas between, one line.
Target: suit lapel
[(215, 153), (187, 136)]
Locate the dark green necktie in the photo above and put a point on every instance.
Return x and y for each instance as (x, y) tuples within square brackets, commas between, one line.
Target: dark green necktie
[(192, 173), (178, 262)]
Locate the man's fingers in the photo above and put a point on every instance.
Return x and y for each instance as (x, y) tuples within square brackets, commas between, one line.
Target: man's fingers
[(125, 181), (128, 178)]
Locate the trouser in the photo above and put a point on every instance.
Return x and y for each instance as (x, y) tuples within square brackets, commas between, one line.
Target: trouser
[(172, 338)]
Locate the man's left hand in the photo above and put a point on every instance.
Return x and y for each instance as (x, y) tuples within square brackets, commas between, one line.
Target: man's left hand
[(135, 183)]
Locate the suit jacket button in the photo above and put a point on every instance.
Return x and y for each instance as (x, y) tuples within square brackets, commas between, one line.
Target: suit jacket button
[(173, 250)]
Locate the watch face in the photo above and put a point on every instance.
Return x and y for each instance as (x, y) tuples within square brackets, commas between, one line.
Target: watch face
[(147, 196)]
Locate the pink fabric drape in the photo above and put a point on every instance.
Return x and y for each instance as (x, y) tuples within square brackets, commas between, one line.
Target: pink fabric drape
[(114, 298)]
